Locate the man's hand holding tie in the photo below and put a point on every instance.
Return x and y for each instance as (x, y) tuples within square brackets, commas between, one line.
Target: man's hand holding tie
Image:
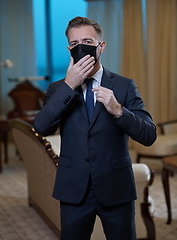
[(106, 96)]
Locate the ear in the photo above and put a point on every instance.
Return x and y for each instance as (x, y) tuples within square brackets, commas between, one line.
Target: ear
[(102, 46)]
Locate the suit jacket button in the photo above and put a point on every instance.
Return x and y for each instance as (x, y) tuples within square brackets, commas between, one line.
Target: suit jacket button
[(87, 160), (126, 126), (90, 136)]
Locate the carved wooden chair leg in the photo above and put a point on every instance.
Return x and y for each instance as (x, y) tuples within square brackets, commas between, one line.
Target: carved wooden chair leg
[(148, 221), (147, 218), (165, 181)]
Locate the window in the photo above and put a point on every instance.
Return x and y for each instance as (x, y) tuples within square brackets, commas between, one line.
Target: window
[(60, 13)]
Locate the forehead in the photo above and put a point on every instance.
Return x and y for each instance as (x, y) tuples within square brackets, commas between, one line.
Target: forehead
[(81, 32)]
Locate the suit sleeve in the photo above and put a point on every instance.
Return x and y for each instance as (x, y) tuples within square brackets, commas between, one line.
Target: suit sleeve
[(136, 121), (57, 100)]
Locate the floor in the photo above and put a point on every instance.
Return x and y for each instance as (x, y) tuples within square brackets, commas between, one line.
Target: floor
[(18, 221)]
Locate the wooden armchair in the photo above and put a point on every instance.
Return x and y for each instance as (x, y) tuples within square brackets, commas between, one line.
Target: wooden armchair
[(27, 101), (41, 164)]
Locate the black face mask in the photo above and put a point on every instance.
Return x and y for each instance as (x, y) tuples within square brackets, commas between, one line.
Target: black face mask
[(82, 50)]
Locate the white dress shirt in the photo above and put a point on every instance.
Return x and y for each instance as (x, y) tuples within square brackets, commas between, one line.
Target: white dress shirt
[(96, 82)]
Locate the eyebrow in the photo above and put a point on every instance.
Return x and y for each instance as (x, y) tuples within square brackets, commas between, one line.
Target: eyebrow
[(84, 39)]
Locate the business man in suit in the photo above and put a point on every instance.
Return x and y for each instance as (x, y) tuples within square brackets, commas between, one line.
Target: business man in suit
[(94, 175)]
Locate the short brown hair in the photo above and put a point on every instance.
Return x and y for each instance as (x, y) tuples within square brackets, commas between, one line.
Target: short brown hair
[(81, 21)]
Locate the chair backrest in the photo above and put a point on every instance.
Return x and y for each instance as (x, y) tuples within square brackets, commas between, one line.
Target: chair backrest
[(168, 127), (26, 97), (41, 164)]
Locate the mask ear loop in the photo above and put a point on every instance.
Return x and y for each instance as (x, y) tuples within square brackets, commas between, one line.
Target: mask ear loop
[(100, 53)]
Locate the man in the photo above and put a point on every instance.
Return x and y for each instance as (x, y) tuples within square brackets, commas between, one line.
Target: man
[(94, 175)]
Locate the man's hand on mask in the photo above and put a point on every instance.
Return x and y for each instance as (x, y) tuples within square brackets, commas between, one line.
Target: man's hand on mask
[(106, 96), (78, 72)]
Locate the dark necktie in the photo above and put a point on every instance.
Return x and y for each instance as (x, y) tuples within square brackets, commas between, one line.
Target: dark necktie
[(89, 97)]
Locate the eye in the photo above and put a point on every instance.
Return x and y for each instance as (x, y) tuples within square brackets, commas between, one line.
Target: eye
[(87, 42), (73, 44)]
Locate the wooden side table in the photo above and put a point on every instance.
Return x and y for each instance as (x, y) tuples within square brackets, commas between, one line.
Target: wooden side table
[(4, 129)]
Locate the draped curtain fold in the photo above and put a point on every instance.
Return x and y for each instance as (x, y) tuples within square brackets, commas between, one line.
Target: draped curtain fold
[(133, 59), (166, 60)]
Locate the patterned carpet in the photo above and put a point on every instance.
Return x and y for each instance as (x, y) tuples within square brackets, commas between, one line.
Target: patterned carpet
[(18, 221)]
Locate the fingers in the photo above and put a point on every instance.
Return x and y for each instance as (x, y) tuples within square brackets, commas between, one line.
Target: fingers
[(106, 96), (86, 59), (103, 94), (71, 63), (96, 88), (78, 72), (102, 91), (85, 65)]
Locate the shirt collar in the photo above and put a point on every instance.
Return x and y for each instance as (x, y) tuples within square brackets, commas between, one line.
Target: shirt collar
[(98, 75)]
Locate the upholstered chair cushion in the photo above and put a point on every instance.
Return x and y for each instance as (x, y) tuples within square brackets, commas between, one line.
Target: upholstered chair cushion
[(165, 145)]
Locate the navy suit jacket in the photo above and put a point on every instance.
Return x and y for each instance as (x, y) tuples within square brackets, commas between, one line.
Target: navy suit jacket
[(98, 149)]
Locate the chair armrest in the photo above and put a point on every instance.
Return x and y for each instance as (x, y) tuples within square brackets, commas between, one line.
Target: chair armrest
[(141, 172), (144, 203)]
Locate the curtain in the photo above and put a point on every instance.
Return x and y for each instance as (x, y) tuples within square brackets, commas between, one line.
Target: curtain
[(122, 24), (166, 60), (16, 44), (153, 68), (133, 59), (109, 14)]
